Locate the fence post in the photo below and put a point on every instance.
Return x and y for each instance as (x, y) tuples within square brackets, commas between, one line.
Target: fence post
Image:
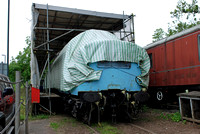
[(17, 102), (27, 108)]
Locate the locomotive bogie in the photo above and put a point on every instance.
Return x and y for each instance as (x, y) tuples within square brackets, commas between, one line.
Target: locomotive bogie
[(115, 102)]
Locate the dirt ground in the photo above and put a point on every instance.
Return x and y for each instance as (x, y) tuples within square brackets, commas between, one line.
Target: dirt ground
[(149, 120)]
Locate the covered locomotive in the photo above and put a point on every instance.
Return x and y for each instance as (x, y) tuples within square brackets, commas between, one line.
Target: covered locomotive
[(98, 72)]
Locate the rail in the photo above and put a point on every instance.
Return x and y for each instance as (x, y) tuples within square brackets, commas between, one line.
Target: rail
[(18, 103), (142, 128)]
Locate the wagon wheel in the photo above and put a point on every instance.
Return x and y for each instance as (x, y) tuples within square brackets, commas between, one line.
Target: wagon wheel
[(159, 95)]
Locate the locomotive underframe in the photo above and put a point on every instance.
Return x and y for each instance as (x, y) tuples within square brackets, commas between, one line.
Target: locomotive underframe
[(110, 104), (168, 94)]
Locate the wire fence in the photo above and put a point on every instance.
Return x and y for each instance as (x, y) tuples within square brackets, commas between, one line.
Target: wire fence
[(9, 128)]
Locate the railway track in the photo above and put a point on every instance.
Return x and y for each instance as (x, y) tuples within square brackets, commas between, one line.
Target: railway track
[(93, 130), (141, 128), (132, 125)]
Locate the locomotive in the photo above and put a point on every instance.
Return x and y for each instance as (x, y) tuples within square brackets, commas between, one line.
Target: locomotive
[(175, 65), (97, 74)]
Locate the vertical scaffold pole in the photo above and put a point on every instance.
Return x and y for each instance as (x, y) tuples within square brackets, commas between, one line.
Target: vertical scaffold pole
[(124, 26), (48, 58), (133, 28)]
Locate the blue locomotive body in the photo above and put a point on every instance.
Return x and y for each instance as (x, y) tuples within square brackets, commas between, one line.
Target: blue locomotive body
[(115, 75)]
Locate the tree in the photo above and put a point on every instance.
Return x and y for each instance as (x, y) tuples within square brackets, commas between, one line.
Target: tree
[(158, 34), (184, 16), (21, 63)]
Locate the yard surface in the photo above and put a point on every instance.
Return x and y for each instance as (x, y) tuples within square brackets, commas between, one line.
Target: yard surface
[(150, 121)]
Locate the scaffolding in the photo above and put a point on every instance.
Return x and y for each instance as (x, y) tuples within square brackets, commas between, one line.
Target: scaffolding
[(53, 27)]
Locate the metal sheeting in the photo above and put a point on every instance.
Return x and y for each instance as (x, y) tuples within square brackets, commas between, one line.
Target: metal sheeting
[(70, 68)]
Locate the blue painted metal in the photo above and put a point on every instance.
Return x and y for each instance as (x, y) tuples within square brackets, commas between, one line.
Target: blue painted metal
[(112, 78)]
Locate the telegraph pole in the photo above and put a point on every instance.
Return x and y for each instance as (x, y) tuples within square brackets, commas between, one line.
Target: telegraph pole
[(8, 26)]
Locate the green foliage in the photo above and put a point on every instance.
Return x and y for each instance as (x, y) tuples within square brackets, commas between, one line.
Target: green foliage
[(38, 117), (22, 97), (57, 124), (145, 108), (184, 121), (54, 125), (176, 117), (158, 34), (107, 128), (73, 121), (184, 16), (21, 63), (185, 8)]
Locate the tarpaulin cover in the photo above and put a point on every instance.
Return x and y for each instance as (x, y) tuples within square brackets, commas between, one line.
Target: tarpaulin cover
[(71, 68)]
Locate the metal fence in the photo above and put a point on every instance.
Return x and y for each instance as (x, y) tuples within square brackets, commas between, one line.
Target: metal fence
[(18, 103)]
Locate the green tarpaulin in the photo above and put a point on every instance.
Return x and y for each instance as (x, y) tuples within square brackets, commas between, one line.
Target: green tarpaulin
[(70, 68)]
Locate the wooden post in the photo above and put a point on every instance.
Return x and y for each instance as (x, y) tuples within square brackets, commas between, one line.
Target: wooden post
[(27, 109), (17, 102)]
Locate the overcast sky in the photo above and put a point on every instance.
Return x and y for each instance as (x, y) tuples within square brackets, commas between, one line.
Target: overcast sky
[(150, 15)]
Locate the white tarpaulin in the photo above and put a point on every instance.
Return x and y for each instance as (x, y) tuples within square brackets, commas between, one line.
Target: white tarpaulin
[(70, 68)]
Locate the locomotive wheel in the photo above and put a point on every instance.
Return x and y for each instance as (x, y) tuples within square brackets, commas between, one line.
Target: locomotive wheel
[(88, 113), (135, 110), (74, 111)]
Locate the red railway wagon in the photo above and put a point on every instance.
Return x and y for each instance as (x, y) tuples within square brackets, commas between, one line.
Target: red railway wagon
[(175, 65)]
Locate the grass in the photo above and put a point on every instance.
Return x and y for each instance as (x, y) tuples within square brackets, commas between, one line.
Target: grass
[(22, 107), (145, 108), (38, 117), (73, 121), (106, 128), (22, 97), (57, 124), (184, 122), (54, 125), (176, 117), (156, 111)]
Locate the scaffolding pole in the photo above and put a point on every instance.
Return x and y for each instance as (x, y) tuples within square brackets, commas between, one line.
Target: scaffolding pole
[(49, 78), (54, 38), (132, 19)]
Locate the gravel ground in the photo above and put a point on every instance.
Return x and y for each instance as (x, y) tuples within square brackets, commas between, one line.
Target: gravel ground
[(149, 120)]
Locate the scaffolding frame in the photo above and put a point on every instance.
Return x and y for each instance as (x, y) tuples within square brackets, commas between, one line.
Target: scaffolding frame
[(124, 33)]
